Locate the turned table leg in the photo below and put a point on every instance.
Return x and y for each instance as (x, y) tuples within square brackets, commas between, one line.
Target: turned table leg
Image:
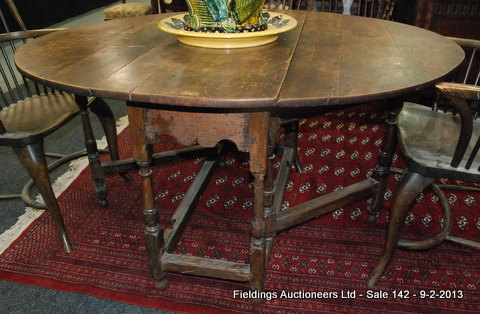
[(259, 136), (385, 157), (92, 151), (143, 154)]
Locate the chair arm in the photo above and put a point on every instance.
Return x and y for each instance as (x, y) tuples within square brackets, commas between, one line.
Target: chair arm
[(28, 34), (457, 95), (457, 90)]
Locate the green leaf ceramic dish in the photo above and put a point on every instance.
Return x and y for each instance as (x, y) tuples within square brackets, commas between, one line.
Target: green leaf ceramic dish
[(278, 23)]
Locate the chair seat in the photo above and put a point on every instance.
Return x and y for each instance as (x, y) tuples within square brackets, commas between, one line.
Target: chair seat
[(428, 139), (31, 119), (127, 10)]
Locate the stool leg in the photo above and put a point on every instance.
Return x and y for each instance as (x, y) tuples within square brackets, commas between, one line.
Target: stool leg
[(33, 158), (409, 187)]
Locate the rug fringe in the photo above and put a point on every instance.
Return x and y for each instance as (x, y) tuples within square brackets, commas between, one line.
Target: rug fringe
[(60, 184)]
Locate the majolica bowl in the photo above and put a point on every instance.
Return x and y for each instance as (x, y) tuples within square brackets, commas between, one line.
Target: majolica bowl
[(277, 23), (225, 16)]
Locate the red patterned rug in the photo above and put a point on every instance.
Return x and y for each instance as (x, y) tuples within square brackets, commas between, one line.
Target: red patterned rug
[(321, 266)]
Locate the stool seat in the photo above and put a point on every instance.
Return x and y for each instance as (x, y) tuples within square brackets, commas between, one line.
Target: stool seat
[(127, 10)]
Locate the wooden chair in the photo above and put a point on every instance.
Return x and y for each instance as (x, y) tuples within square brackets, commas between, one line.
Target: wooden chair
[(125, 9), (436, 144), (289, 5), (368, 8), (29, 112), (382, 9)]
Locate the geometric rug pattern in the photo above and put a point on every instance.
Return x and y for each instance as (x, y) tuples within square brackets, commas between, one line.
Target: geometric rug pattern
[(321, 266)]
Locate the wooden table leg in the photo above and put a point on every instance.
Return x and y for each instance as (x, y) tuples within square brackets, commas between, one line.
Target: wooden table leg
[(143, 154), (92, 151), (259, 137), (385, 157)]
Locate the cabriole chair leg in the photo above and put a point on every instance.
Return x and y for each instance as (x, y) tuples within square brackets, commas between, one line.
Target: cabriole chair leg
[(101, 109), (409, 187), (33, 158)]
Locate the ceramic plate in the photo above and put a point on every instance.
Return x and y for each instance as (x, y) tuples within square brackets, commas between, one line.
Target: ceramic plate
[(229, 40)]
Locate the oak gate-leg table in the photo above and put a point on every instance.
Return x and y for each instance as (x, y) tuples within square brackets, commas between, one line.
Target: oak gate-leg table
[(201, 96)]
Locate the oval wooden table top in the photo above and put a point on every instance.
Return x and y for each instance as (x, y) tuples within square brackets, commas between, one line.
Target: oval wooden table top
[(328, 59)]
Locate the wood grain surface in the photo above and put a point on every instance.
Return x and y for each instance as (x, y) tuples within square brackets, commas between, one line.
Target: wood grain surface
[(327, 59)]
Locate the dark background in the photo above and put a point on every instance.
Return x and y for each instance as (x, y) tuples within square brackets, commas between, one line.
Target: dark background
[(459, 18), (42, 13)]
